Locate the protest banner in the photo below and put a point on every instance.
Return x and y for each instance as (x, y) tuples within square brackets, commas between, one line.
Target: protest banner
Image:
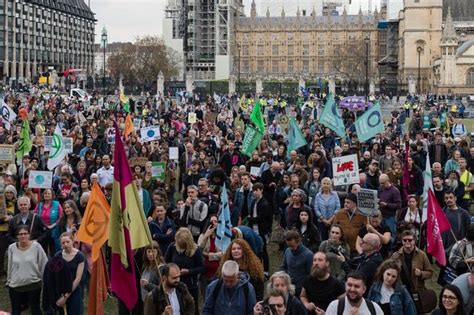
[(251, 140), (345, 170), (40, 179), (367, 202), (370, 123)]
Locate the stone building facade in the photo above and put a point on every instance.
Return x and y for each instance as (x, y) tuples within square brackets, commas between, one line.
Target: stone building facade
[(307, 46)]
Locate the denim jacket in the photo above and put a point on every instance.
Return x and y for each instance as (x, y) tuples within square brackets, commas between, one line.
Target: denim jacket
[(400, 301), (326, 208), (239, 202)]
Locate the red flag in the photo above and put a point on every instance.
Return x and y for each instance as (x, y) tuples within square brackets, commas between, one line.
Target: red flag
[(406, 173), (437, 223), (127, 228)]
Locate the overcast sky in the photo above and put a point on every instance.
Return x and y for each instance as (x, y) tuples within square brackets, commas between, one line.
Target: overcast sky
[(126, 19)]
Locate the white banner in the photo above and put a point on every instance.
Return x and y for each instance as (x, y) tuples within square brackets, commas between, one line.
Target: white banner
[(40, 179), (345, 170), (150, 133)]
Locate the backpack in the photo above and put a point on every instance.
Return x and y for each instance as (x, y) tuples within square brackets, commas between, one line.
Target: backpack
[(342, 301), (218, 286)]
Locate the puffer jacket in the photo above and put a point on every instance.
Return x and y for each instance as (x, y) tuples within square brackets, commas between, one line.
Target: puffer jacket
[(237, 304), (400, 301)]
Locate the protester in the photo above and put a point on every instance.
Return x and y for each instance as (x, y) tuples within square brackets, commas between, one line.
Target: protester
[(188, 257), (171, 296), (26, 263), (231, 294), (333, 247), (326, 204), (150, 276), (281, 281), (450, 301), (388, 291)]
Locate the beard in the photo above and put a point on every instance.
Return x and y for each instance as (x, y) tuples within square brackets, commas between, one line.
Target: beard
[(354, 300), (319, 273), (173, 285)]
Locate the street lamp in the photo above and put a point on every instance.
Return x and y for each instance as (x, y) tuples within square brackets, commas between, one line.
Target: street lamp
[(419, 49), (367, 41), (103, 44), (238, 75)]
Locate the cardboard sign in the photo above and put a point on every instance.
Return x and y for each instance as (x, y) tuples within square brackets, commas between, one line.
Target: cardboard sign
[(137, 161), (345, 170), (367, 202), (210, 117), (40, 179), (7, 154), (158, 170), (255, 171)]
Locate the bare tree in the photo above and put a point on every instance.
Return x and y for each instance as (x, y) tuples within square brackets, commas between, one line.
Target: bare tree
[(140, 63), (348, 61)]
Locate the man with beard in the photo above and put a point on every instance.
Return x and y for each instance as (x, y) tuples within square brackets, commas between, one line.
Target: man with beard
[(171, 297), (458, 218), (439, 189), (354, 302), (320, 287)]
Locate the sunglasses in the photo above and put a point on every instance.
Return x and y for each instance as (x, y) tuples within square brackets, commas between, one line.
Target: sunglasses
[(406, 240)]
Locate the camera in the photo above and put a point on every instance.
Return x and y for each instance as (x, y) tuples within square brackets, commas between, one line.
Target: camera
[(268, 309)]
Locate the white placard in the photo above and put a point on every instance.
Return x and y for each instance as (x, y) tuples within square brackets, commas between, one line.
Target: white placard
[(345, 170), (48, 142), (367, 202), (192, 118), (136, 123), (150, 133), (174, 153), (40, 179), (67, 144), (255, 171)]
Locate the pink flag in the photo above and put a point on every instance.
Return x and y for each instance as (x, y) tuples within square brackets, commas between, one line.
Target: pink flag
[(437, 223)]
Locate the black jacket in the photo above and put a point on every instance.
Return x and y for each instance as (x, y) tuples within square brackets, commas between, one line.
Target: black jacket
[(264, 216), (39, 231), (156, 301), (367, 265)]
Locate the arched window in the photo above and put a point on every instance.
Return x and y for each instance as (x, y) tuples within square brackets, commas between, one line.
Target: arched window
[(470, 76)]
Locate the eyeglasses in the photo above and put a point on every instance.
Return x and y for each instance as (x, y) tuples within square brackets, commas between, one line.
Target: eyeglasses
[(24, 233), (407, 240), (279, 305), (449, 297)]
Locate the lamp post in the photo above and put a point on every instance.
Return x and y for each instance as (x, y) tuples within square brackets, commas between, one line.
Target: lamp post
[(238, 74), (419, 49), (103, 44), (367, 41)]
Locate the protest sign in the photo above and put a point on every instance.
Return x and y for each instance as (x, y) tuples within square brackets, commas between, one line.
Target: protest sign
[(158, 170), (370, 123), (150, 133), (173, 153), (192, 118), (345, 170), (255, 171), (7, 154), (141, 161), (40, 179), (367, 202)]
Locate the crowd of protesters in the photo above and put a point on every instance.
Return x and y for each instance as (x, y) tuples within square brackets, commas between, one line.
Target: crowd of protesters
[(332, 259)]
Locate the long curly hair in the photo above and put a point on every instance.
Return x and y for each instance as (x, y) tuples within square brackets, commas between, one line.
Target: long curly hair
[(248, 263)]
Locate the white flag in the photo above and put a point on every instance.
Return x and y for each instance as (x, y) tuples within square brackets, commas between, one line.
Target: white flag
[(8, 115), (428, 184), (150, 133), (58, 150)]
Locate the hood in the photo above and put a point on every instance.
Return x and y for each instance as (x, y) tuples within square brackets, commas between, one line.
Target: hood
[(243, 278)]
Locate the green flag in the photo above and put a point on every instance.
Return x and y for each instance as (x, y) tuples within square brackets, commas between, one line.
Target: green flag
[(331, 118), (256, 116), (24, 144), (252, 139), (370, 123), (295, 136)]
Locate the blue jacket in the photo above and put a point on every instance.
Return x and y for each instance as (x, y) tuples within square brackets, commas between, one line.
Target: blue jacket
[(158, 233), (237, 304), (298, 265), (239, 203), (326, 208), (254, 240), (400, 301)]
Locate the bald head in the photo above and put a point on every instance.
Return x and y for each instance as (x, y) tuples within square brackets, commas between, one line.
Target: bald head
[(275, 166), (371, 243)]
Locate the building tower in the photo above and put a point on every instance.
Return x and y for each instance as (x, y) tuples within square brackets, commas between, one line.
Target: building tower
[(449, 45), (419, 37)]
